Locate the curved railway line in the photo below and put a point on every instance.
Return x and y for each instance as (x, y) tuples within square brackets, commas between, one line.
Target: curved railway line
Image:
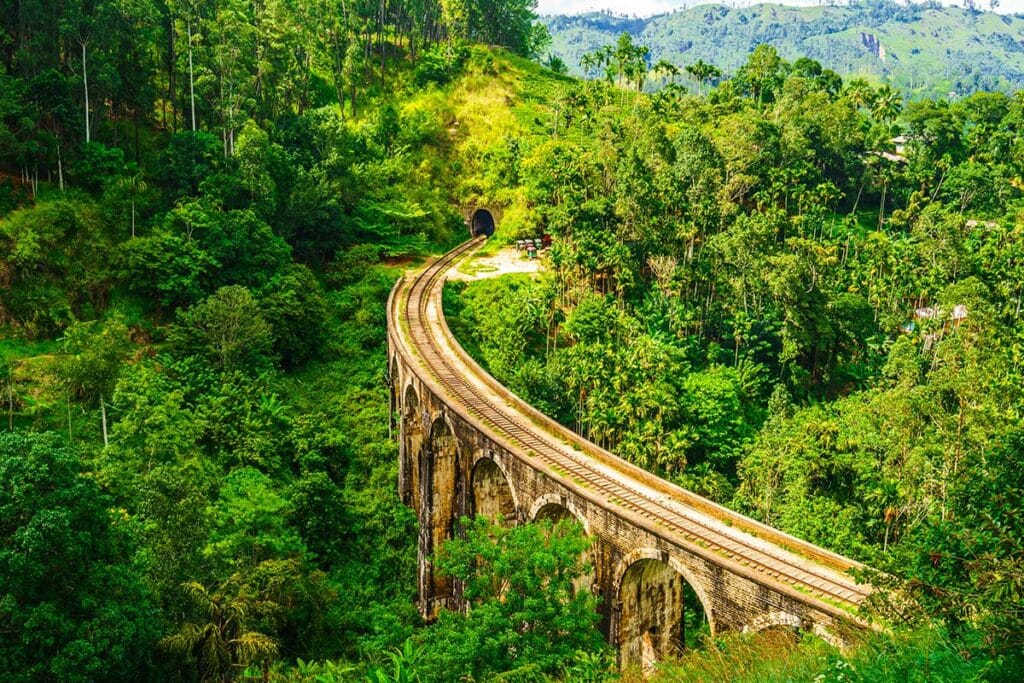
[(757, 551)]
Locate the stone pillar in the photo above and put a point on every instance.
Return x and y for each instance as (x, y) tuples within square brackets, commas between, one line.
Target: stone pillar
[(439, 504)]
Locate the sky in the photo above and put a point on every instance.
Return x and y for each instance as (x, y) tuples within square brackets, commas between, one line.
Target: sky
[(646, 8)]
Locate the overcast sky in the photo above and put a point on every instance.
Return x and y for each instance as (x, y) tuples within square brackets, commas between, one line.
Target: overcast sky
[(645, 8)]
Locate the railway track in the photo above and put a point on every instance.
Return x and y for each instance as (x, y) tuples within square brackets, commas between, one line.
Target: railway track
[(770, 557)]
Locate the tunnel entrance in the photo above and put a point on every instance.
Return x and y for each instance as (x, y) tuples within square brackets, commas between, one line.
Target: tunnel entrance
[(482, 223), (660, 614)]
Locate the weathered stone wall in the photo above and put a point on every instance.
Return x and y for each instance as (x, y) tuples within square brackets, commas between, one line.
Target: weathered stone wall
[(458, 470)]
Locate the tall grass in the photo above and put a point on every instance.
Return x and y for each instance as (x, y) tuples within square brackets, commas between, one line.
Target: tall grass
[(765, 657), (776, 656)]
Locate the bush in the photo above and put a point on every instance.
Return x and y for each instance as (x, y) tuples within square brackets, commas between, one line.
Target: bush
[(440, 64)]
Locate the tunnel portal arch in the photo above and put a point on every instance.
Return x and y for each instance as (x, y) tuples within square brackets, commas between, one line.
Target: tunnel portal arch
[(482, 223)]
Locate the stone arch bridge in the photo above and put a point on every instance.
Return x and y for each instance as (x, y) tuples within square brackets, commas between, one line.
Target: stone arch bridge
[(470, 446)]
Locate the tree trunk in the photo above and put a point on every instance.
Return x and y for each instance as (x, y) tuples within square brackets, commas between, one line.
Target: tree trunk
[(103, 414), (60, 168), (881, 210), (85, 83), (172, 79), (191, 77)]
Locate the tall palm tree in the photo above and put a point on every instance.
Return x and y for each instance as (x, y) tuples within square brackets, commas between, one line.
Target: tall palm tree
[(666, 70), (134, 183), (588, 63)]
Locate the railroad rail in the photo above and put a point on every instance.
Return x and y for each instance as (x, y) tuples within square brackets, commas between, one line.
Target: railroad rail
[(766, 556)]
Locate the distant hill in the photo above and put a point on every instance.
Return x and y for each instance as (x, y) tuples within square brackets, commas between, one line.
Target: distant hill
[(925, 50)]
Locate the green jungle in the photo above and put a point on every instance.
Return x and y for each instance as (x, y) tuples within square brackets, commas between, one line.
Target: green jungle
[(752, 291)]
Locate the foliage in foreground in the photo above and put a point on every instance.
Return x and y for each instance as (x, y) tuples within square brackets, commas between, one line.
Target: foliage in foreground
[(71, 592), (525, 612), (784, 657)]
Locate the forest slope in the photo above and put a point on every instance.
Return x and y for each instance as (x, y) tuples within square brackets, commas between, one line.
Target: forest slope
[(197, 477)]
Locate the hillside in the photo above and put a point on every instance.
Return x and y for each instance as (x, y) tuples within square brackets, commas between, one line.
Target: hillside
[(927, 51), (203, 210)]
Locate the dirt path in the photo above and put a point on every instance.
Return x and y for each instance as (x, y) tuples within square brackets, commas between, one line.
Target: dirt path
[(506, 261)]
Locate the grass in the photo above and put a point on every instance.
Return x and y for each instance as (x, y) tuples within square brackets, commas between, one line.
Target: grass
[(771, 655), (474, 267), (500, 97), (14, 348), (782, 656)]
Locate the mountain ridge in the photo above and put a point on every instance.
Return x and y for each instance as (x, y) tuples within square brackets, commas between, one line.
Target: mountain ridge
[(927, 50)]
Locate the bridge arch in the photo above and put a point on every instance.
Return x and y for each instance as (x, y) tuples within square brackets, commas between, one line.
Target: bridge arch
[(492, 492), (482, 223), (556, 507), (433, 450), (649, 587)]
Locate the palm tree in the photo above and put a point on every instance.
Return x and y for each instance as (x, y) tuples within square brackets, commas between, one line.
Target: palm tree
[(133, 183), (221, 642), (588, 63), (605, 58), (860, 92), (887, 105), (665, 69), (556, 64), (702, 71), (636, 67)]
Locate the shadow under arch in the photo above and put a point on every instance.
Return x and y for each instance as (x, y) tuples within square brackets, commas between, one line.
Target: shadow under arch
[(656, 600), (792, 625), (482, 223), (492, 494), (555, 508)]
